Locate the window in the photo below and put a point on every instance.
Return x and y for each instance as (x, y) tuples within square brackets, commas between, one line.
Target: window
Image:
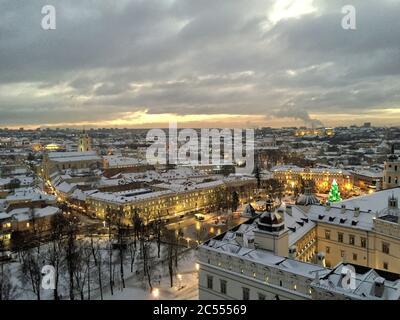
[(351, 239), (340, 237), (209, 282), (342, 253), (385, 247), (327, 234), (328, 250), (261, 296), (363, 242), (386, 266), (355, 256), (223, 286), (246, 294)]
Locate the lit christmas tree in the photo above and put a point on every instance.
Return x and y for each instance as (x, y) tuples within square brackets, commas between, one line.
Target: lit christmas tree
[(334, 194)]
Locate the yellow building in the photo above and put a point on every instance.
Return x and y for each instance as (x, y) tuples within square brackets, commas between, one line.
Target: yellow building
[(84, 143), (58, 161), (363, 230), (391, 172), (291, 177), (174, 200)]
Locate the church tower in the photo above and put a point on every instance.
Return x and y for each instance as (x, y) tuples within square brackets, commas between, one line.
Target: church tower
[(391, 172), (84, 143), (271, 233)]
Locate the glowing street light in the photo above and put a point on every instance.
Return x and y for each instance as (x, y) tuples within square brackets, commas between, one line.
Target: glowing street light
[(104, 223), (180, 281), (156, 293), (197, 267)]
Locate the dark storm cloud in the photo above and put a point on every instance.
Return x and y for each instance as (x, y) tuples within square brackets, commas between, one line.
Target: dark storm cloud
[(188, 57)]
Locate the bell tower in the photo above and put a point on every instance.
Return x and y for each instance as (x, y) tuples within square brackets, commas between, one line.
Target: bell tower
[(84, 143), (391, 173)]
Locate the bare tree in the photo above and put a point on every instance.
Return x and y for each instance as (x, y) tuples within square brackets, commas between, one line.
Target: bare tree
[(171, 251), (132, 254), (71, 257), (81, 270), (8, 290), (157, 226), (109, 218), (147, 263), (7, 287), (99, 260), (121, 232), (137, 225), (31, 270), (59, 225)]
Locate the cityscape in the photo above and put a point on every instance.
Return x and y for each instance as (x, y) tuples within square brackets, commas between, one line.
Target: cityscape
[(183, 162)]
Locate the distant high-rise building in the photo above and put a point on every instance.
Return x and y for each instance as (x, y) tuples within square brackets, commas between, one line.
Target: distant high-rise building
[(391, 172), (85, 143)]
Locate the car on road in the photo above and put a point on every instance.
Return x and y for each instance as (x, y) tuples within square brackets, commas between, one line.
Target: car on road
[(200, 216)]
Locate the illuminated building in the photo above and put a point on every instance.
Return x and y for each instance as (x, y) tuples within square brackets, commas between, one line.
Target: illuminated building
[(84, 143), (291, 177), (171, 200), (57, 161), (391, 173), (314, 132), (263, 259)]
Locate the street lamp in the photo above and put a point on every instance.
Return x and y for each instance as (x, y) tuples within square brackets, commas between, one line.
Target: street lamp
[(156, 293), (180, 280)]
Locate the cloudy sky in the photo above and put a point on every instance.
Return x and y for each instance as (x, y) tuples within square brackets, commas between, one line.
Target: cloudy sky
[(224, 63)]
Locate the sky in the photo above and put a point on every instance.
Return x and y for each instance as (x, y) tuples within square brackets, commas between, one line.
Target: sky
[(202, 63)]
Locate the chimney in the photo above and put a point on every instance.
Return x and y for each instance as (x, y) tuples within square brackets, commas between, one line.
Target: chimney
[(356, 212), (327, 206), (289, 209), (321, 259), (343, 209), (292, 252), (379, 287)]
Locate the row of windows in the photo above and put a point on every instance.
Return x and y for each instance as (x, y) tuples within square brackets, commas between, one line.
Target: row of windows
[(352, 238), (396, 179), (385, 265), (395, 167), (223, 289), (352, 241)]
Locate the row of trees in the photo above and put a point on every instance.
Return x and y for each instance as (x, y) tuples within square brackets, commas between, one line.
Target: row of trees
[(84, 263)]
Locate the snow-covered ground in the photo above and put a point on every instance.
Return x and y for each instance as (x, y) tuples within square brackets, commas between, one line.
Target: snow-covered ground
[(185, 286), (136, 288)]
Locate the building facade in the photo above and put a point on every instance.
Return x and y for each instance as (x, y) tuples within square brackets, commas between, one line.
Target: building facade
[(298, 252), (391, 173)]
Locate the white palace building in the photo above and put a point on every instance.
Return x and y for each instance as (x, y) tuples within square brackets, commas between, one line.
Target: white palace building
[(303, 252)]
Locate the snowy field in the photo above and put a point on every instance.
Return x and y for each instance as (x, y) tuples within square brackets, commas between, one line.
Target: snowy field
[(185, 280)]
